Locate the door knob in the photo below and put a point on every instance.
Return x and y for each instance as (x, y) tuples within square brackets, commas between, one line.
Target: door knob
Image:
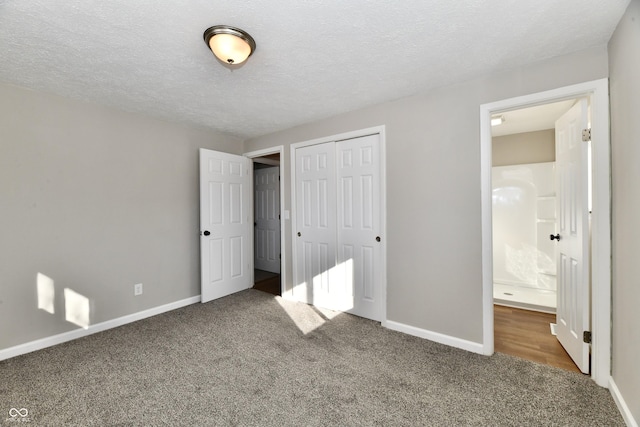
[(556, 237), (377, 238), (206, 232), (299, 234)]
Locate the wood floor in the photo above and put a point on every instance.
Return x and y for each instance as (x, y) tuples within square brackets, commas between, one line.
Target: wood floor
[(267, 282), (527, 334)]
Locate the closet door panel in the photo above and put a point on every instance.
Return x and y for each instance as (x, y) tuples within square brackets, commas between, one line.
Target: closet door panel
[(358, 228), (315, 224)]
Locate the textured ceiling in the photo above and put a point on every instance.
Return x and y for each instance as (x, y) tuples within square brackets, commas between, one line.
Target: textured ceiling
[(314, 59)]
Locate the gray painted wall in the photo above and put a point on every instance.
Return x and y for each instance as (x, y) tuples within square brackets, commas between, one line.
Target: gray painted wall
[(523, 148), (624, 63), (97, 200), (433, 188)]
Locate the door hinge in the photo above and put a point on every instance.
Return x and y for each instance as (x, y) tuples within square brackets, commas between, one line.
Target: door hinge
[(586, 135), (586, 337)]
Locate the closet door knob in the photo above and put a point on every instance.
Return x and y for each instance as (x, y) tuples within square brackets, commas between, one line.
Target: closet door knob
[(377, 238), (556, 237), (206, 232), (299, 234)]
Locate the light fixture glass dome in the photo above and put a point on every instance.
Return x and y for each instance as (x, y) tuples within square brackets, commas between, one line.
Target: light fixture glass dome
[(230, 45)]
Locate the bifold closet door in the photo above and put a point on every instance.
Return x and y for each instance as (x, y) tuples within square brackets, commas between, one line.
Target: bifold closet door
[(315, 232), (359, 241), (338, 243)]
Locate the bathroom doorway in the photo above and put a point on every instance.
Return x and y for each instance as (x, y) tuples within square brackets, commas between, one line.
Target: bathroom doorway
[(589, 317), (525, 205)]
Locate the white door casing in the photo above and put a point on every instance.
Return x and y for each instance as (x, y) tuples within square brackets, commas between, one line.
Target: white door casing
[(315, 224), (573, 314), (338, 213), (225, 227), (266, 189), (598, 93), (359, 232)]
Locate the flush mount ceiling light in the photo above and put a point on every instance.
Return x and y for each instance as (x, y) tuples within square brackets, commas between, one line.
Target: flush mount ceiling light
[(229, 44), (497, 120)]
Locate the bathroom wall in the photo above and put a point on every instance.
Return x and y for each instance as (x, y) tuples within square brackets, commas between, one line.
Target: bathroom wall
[(526, 147)]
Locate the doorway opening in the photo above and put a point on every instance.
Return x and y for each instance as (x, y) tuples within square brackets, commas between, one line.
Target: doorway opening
[(524, 216), (266, 224), (268, 216), (597, 335)]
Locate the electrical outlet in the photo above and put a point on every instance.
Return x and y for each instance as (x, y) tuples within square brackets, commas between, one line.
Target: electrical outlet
[(137, 289)]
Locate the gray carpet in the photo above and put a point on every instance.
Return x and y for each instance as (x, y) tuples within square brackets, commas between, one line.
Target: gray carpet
[(242, 360)]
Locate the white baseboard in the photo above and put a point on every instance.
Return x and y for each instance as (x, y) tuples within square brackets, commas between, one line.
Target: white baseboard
[(471, 346), (622, 405), (98, 327)]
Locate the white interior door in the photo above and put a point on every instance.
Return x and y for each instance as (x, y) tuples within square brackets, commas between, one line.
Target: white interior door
[(225, 228), (359, 240), (572, 315), (315, 225), (266, 187)]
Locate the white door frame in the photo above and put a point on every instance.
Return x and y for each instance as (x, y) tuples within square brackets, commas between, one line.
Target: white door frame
[(598, 93), (379, 130), (283, 259)]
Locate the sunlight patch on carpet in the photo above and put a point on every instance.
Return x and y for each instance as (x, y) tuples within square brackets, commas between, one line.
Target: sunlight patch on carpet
[(306, 317)]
